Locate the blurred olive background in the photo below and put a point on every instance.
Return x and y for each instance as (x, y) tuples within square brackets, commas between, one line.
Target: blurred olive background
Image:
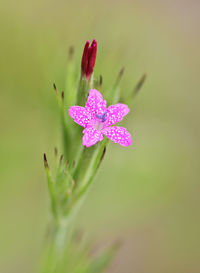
[(147, 195)]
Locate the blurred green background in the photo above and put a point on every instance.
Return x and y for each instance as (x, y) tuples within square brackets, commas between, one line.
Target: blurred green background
[(146, 195)]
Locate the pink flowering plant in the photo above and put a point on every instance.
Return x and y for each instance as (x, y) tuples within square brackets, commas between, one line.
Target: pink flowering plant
[(88, 124), (97, 120)]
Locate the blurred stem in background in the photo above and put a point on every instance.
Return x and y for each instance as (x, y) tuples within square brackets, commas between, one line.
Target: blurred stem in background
[(75, 170)]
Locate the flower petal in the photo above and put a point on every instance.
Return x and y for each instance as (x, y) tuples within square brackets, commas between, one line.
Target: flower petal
[(118, 135), (81, 115), (115, 113), (91, 136), (96, 103)]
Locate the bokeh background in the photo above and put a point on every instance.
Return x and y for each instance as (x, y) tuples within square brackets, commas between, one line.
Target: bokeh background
[(147, 196)]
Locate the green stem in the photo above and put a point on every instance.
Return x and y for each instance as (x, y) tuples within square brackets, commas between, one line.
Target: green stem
[(57, 241)]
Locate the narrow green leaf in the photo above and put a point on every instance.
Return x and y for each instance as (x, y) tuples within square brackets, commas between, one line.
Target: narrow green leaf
[(101, 262), (51, 188)]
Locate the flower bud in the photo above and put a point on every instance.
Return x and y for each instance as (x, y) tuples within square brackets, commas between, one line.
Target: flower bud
[(88, 59)]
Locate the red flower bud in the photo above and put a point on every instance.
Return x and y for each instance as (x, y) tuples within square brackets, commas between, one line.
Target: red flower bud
[(88, 59)]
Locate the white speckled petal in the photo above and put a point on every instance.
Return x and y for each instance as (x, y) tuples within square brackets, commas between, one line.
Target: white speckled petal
[(118, 135), (115, 113), (96, 103), (91, 136), (81, 115)]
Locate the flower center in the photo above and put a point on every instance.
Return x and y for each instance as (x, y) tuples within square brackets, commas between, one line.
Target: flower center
[(99, 121), (103, 117)]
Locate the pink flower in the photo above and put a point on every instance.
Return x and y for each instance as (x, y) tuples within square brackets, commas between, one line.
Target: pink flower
[(97, 119), (88, 59)]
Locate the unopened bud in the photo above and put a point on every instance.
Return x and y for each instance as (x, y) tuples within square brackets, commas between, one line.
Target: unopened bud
[(88, 59)]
